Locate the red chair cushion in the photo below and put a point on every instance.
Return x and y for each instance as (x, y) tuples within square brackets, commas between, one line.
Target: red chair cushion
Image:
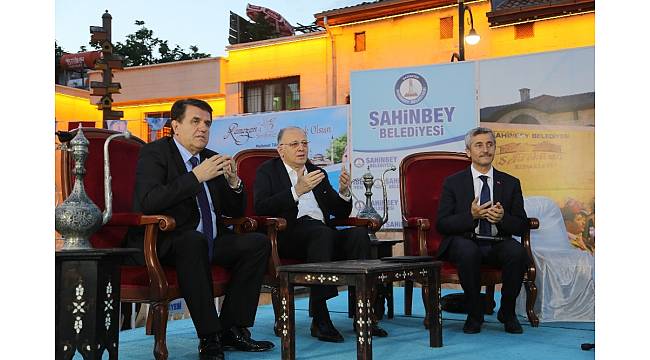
[(123, 160), (247, 163), (422, 179), (448, 269), (137, 277)]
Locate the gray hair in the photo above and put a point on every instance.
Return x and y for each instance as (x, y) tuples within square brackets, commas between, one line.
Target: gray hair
[(281, 132), (478, 131)]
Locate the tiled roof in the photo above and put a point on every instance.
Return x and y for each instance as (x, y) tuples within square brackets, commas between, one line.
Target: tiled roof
[(544, 103), (506, 12), (376, 9), (497, 5), (353, 6), (511, 4)]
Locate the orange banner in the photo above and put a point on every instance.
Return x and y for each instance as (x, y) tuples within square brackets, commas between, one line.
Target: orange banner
[(557, 162)]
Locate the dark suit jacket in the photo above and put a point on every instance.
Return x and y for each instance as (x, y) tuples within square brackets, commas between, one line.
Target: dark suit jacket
[(273, 195), (454, 211), (163, 186)]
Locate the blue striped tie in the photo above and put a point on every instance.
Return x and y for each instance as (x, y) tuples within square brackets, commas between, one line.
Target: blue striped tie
[(206, 212)]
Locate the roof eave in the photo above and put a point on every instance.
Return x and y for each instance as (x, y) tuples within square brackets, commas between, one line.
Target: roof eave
[(539, 12), (377, 10), (280, 40)]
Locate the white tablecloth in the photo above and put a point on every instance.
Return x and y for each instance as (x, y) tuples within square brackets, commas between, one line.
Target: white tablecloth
[(565, 275)]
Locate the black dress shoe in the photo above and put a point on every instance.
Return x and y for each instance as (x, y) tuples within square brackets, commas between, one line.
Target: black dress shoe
[(472, 326), (324, 330), (240, 339), (375, 330), (510, 324), (210, 348)]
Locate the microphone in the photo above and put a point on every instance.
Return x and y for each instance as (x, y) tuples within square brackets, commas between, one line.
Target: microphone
[(489, 238)]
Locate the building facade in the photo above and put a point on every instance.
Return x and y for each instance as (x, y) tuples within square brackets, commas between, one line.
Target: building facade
[(393, 33), (146, 92)]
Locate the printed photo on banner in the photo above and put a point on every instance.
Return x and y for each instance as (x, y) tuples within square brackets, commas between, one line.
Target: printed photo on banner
[(116, 125), (544, 121), (326, 130)]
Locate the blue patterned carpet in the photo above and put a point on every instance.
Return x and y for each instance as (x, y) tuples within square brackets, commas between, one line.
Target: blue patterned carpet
[(407, 338)]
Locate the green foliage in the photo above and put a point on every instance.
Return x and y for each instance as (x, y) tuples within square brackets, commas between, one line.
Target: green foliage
[(143, 48), (339, 147), (58, 53)]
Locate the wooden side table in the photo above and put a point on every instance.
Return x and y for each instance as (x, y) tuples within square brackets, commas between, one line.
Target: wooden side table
[(378, 250), (364, 275), (87, 316)]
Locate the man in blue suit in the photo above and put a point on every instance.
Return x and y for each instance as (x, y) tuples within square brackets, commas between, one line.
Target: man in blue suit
[(178, 176), (482, 200)]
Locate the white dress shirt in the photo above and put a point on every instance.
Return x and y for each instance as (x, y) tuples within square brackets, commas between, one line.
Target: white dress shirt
[(307, 204), (478, 185)]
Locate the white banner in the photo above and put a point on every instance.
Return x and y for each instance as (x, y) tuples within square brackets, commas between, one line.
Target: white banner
[(397, 112)]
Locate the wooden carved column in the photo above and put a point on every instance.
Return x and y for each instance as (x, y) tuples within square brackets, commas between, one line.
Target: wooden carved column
[(102, 35)]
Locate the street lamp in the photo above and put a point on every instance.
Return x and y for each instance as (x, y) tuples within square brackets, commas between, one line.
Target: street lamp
[(472, 38)]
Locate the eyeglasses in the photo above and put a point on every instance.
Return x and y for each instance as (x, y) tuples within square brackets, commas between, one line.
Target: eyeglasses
[(294, 144)]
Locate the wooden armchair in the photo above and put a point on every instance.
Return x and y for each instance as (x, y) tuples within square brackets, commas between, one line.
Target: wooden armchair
[(247, 163), (421, 178), (152, 284)]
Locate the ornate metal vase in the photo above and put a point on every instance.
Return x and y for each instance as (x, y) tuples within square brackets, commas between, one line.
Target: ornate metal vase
[(368, 211), (77, 218)]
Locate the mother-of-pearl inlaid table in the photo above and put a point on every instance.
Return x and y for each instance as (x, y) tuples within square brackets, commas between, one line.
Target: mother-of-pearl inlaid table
[(364, 275)]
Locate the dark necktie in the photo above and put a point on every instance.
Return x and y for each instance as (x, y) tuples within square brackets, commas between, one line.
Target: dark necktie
[(484, 226), (206, 212)]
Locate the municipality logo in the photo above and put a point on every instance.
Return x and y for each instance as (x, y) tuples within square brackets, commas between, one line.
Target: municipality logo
[(410, 88)]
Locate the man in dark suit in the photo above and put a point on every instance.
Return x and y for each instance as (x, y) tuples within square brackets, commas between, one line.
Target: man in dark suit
[(293, 188), (179, 177), (482, 200)]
